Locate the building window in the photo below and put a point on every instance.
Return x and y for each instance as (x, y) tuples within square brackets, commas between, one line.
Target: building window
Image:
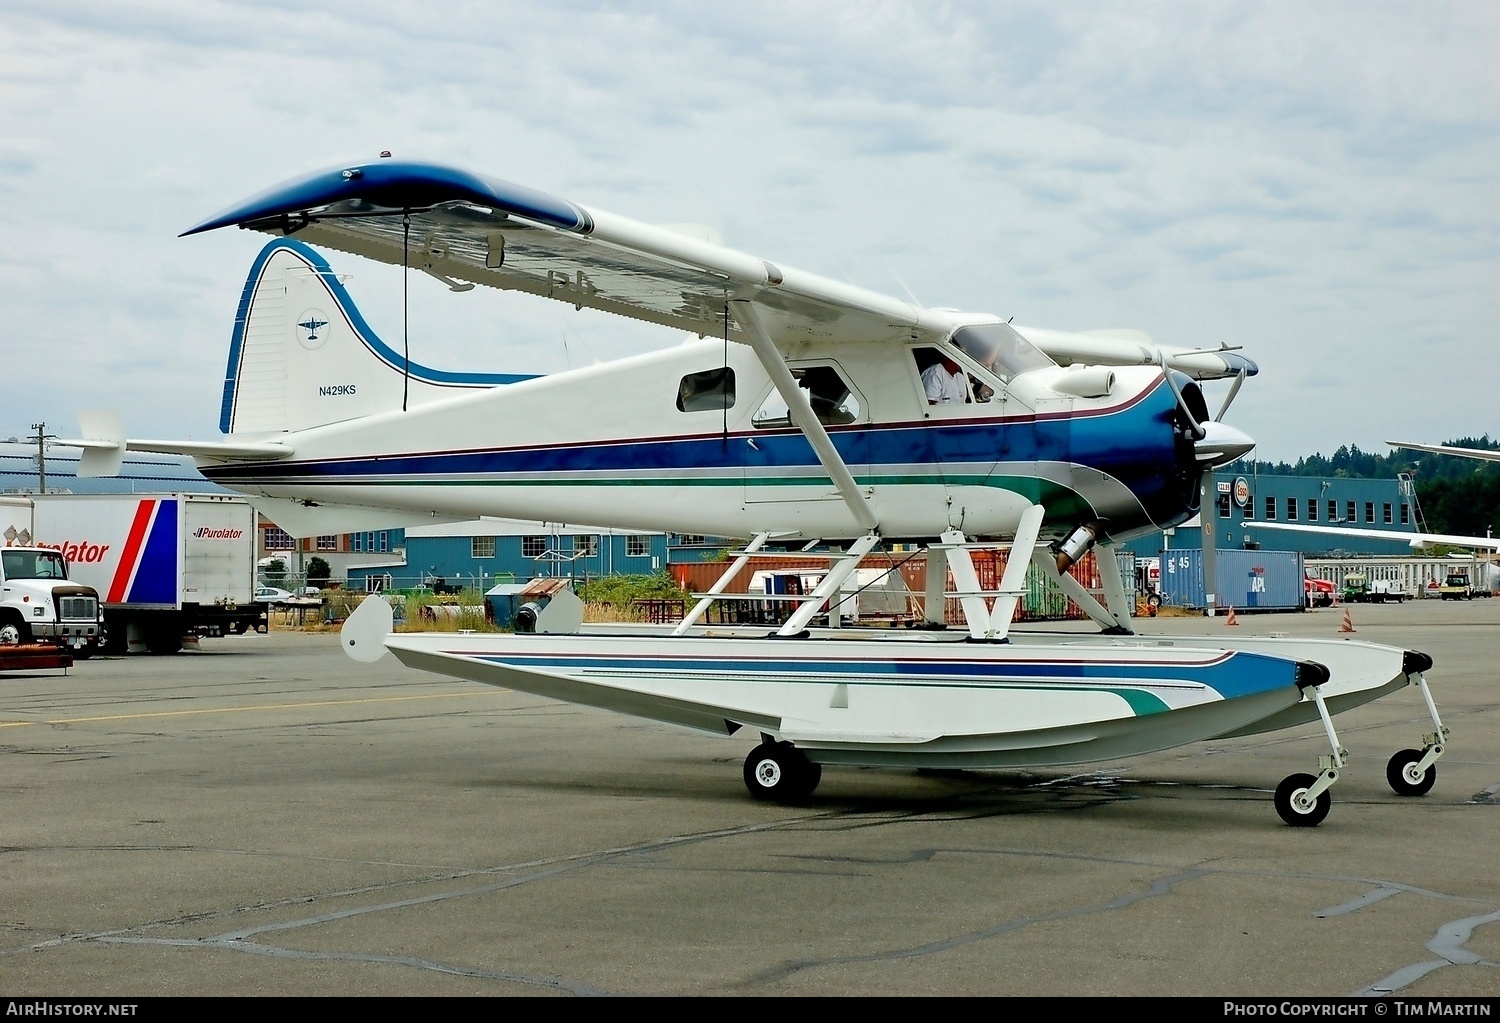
[(278, 539), (328, 543), (1270, 508), (639, 546), (1291, 509), (533, 546), (1312, 509), (1386, 513), (481, 547), (586, 545), (1406, 514), (1349, 515), (1250, 509), (383, 539), (1369, 511), (692, 539), (1223, 506), (1333, 511)]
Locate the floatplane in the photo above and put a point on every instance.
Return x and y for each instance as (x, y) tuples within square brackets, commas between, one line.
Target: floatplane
[(802, 410)]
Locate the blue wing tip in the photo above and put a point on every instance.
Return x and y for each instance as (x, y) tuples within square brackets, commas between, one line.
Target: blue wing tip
[(396, 185)]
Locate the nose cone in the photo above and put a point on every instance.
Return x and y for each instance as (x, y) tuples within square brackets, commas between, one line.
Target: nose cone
[(1221, 444)]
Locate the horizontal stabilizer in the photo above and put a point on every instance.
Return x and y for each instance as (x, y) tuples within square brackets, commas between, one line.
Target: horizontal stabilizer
[(104, 445)]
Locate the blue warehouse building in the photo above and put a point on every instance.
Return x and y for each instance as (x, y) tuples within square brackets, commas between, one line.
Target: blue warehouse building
[(479, 553), (1239, 502)]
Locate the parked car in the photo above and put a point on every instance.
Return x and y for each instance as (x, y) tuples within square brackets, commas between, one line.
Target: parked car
[(1320, 592), (272, 595)]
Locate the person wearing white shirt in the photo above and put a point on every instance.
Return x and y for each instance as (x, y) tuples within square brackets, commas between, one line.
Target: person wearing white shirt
[(944, 383)]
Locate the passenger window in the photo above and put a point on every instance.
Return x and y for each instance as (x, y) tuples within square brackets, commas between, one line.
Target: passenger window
[(710, 391), (832, 400)]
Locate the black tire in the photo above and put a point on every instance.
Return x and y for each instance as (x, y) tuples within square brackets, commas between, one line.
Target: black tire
[(19, 628), (779, 772), (163, 641), (1295, 816), (1400, 781)]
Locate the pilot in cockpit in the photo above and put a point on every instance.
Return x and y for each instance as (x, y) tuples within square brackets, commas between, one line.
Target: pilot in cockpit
[(944, 383)]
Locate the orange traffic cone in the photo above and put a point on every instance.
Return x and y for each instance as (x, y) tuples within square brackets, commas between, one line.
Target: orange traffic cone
[(1231, 620), (1348, 625)]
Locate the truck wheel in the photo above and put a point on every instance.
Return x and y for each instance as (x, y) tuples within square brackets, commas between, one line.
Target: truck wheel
[(14, 632), (165, 641)]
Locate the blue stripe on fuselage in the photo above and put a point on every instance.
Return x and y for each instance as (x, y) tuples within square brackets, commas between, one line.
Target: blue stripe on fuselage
[(1133, 444)]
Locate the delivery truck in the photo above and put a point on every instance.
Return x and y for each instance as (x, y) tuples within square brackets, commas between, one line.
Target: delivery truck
[(164, 566)]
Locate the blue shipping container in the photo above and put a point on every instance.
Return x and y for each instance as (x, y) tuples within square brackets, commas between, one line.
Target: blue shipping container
[(1247, 580)]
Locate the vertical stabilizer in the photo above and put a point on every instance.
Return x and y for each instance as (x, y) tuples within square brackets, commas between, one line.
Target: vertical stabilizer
[(302, 355)]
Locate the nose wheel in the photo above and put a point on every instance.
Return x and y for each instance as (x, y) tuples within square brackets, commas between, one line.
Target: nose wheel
[(1298, 804), (1413, 772), (780, 772), (1410, 774)]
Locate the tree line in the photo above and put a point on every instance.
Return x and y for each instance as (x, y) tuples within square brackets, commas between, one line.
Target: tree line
[(1457, 495)]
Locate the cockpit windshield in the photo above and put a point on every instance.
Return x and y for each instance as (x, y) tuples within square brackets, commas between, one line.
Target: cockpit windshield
[(33, 565), (998, 348)]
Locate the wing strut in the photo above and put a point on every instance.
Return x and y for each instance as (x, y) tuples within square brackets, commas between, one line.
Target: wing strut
[(802, 414)]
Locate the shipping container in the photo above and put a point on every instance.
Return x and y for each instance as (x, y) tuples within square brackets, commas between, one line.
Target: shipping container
[(1247, 580)]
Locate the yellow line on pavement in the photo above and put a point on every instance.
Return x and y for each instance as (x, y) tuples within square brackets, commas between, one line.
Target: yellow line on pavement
[(238, 710)]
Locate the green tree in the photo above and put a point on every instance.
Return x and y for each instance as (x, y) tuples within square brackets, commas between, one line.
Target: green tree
[(318, 571)]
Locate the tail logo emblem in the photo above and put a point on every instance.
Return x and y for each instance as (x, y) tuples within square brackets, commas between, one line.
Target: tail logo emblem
[(312, 322)]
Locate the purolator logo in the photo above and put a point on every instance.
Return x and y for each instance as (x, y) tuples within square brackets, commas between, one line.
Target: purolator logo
[(210, 533), (80, 553)]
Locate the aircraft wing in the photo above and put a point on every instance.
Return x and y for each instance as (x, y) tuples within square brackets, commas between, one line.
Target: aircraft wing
[(1135, 348), (1416, 540), (470, 229), (1439, 449), (464, 227)]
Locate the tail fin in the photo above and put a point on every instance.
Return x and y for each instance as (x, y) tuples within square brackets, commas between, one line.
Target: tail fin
[(302, 356)]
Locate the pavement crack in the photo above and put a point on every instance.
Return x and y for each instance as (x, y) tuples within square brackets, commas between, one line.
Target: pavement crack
[(1159, 887)]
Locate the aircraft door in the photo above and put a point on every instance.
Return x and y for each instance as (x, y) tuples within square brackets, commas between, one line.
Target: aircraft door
[(780, 464)]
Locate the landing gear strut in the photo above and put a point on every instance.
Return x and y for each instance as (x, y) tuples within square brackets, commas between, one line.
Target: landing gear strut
[(1413, 772), (780, 772), (1302, 801)]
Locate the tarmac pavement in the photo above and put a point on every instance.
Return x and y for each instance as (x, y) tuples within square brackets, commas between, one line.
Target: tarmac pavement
[(264, 816)]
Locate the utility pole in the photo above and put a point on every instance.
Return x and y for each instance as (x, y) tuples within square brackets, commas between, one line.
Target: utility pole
[(41, 438)]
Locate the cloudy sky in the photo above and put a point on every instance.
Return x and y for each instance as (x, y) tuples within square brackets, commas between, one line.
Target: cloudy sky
[(1317, 182)]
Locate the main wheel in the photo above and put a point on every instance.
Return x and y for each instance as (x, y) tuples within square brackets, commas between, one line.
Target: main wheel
[(1402, 775), (1288, 802), (779, 771)]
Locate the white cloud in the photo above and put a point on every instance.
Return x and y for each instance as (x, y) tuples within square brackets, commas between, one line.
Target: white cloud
[(1318, 183)]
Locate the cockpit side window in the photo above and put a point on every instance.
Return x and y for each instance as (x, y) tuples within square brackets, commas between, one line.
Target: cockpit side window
[(950, 378), (709, 391)]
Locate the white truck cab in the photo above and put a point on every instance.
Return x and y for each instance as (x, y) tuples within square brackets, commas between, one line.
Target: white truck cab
[(39, 604)]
